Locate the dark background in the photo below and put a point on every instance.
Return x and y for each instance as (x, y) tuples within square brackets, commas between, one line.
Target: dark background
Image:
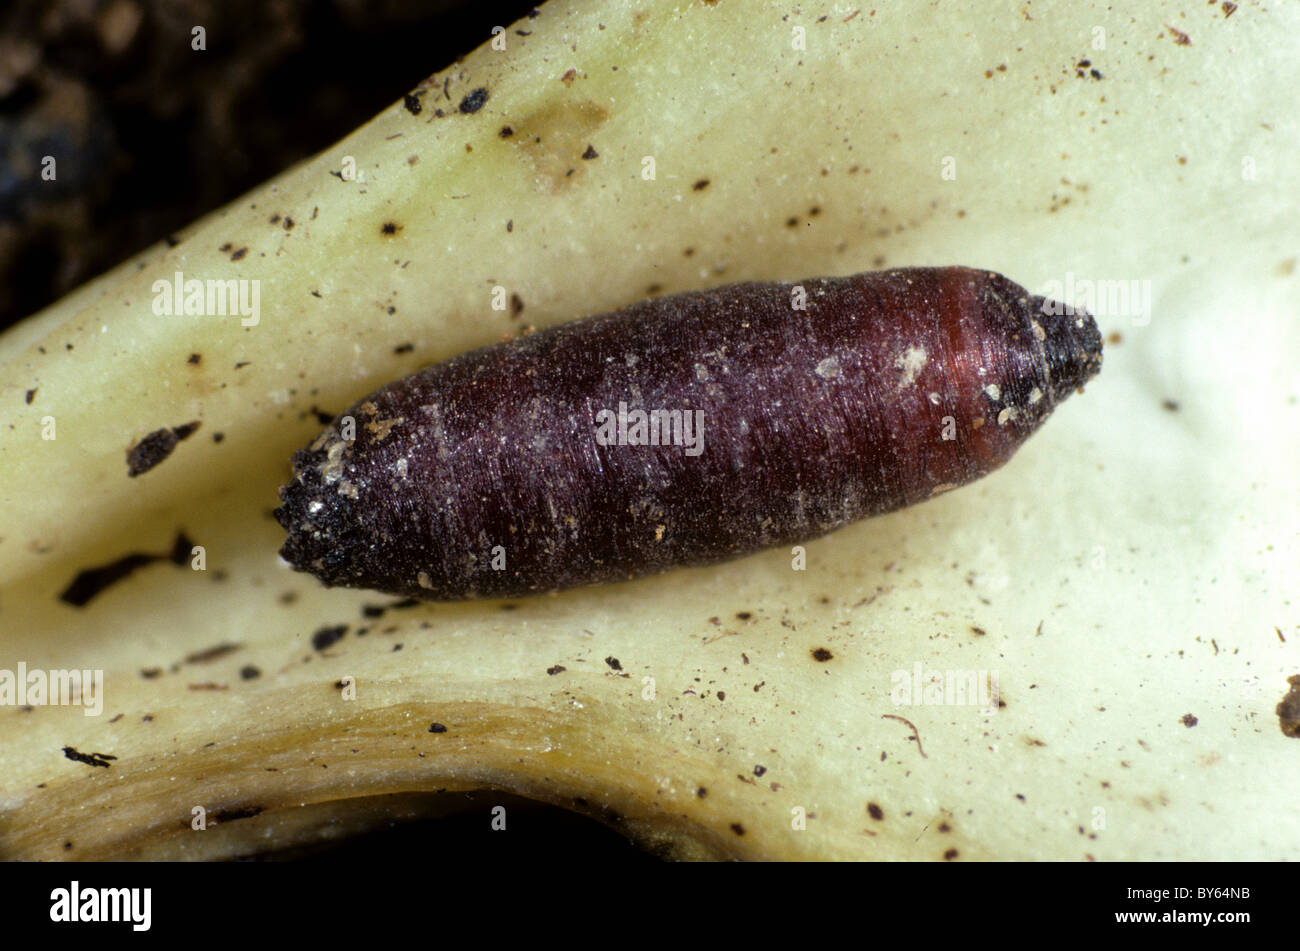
[(150, 134)]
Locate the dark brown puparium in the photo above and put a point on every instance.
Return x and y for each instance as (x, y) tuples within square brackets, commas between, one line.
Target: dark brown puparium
[(812, 419)]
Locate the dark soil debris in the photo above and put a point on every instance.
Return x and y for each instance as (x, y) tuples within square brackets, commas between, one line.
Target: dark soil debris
[(473, 102), (155, 447), (210, 654), (1288, 710), (327, 636), (91, 582), (231, 815), (90, 759)]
